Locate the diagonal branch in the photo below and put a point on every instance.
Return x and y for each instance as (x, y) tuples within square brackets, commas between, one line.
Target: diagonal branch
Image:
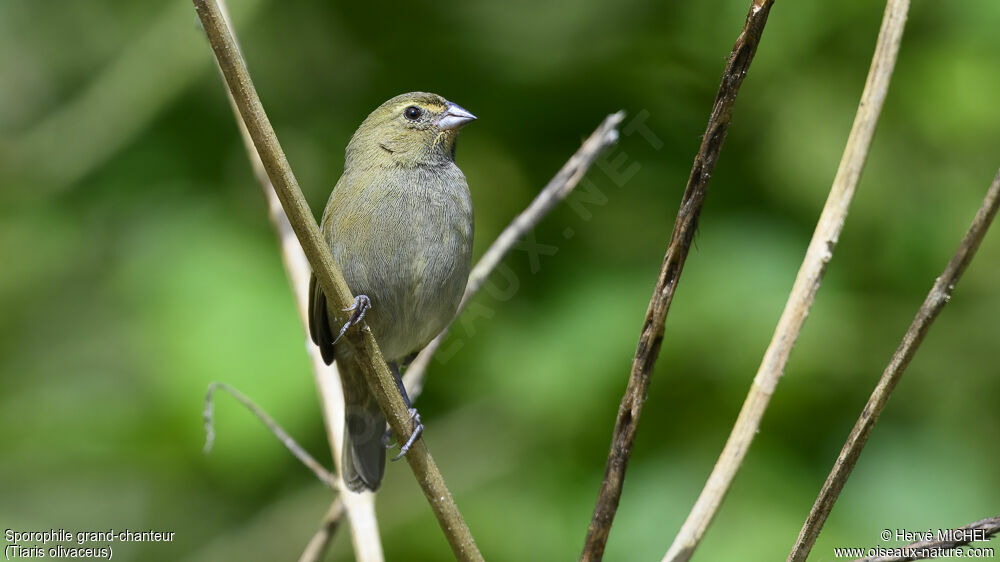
[(208, 413), (685, 225), (981, 530), (359, 507), (303, 222), (938, 296), (810, 274), (555, 191)]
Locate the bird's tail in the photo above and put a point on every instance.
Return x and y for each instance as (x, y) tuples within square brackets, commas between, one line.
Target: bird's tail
[(363, 457)]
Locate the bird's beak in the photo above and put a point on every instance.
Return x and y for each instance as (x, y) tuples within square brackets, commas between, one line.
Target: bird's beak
[(454, 118)]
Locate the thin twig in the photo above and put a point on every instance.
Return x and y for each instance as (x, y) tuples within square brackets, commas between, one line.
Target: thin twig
[(981, 530), (359, 507), (320, 542), (685, 225), (555, 191), (938, 296), (807, 282), (322, 473), (331, 280)]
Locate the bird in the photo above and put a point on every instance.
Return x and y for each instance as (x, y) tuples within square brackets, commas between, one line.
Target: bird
[(399, 224)]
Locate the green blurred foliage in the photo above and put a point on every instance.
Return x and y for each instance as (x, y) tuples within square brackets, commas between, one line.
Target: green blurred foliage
[(139, 265)]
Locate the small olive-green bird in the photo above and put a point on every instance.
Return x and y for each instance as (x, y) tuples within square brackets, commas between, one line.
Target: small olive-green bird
[(399, 224)]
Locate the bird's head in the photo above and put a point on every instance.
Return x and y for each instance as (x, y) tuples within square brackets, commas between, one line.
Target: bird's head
[(411, 129)]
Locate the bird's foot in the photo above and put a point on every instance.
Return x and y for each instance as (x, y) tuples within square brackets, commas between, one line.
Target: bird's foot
[(362, 304), (418, 430)]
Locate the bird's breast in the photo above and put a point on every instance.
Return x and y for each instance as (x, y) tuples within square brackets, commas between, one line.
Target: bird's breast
[(405, 240)]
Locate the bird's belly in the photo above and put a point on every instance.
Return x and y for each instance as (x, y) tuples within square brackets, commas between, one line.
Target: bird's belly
[(414, 302), (415, 281)]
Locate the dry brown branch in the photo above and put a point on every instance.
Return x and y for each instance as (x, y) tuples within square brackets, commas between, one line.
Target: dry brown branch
[(303, 223), (807, 282), (673, 263), (360, 508), (922, 550), (555, 191), (938, 296)]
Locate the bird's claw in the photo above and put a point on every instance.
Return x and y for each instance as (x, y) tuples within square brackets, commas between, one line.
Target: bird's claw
[(362, 304), (418, 430)]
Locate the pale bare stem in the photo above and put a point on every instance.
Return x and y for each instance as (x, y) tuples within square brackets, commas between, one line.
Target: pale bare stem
[(555, 191), (318, 545), (651, 336), (322, 473), (981, 530), (938, 296), (807, 282), (359, 507), (303, 223)]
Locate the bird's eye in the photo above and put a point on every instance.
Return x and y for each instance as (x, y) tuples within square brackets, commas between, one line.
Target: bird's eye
[(412, 113)]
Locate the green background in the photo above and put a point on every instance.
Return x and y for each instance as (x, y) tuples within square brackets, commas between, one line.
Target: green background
[(139, 265)]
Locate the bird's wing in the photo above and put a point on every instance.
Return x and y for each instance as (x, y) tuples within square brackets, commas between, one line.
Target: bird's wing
[(319, 323)]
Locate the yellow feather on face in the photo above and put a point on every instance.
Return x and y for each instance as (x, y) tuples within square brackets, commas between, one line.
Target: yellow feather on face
[(387, 135)]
